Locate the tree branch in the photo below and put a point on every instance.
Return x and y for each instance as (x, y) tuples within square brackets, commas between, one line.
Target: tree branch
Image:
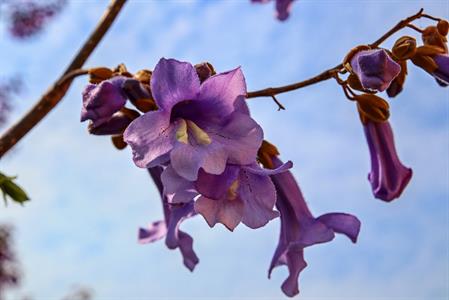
[(330, 73), (57, 91)]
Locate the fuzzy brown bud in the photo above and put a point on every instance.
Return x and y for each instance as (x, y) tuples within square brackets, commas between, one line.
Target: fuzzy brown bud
[(404, 48), (372, 107), (97, 75), (265, 153), (143, 76), (443, 27)]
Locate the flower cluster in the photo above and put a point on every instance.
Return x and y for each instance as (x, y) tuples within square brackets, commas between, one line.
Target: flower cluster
[(27, 18), (377, 70), (205, 154)]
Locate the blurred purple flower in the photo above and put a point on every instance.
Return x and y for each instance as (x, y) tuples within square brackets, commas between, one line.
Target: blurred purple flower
[(174, 215), (7, 90), (27, 17), (299, 229), (9, 273), (442, 73), (198, 125), (375, 69), (388, 175), (283, 8)]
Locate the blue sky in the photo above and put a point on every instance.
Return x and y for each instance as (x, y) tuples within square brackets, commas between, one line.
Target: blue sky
[(89, 199)]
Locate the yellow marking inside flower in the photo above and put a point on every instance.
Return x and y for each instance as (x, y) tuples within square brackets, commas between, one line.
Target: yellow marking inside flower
[(232, 191), (181, 132), (199, 134)]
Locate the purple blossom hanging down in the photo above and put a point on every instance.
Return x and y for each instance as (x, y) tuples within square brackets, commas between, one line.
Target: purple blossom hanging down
[(197, 125), (300, 229), (283, 8), (375, 69), (442, 72), (388, 175), (169, 227)]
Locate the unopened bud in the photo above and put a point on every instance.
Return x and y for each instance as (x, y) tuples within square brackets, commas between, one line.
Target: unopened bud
[(204, 70), (143, 76), (98, 75), (404, 48), (265, 154), (372, 107), (443, 27), (118, 142)]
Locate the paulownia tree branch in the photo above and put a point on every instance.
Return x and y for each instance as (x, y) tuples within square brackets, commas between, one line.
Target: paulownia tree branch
[(57, 91), (330, 73)]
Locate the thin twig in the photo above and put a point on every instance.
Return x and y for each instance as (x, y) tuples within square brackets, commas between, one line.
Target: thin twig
[(414, 28), (328, 74), (57, 91), (279, 104)]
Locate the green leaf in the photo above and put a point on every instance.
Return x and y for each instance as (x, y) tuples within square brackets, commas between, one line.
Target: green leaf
[(12, 190)]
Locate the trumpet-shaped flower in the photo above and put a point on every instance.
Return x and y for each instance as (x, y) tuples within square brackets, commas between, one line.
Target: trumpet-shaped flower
[(174, 215), (198, 125), (388, 175), (300, 229), (442, 72)]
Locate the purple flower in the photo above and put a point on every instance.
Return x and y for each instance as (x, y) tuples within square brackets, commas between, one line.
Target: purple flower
[(388, 175), (101, 101), (174, 215), (28, 18), (8, 89), (198, 125), (240, 194), (375, 69), (9, 273), (442, 73), (299, 229), (283, 8)]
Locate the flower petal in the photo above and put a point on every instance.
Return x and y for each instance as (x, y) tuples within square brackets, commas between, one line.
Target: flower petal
[(174, 183), (216, 186), (346, 224), (388, 175), (187, 159), (173, 81), (259, 196), (241, 136), (219, 92), (154, 232), (227, 212), (150, 137)]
